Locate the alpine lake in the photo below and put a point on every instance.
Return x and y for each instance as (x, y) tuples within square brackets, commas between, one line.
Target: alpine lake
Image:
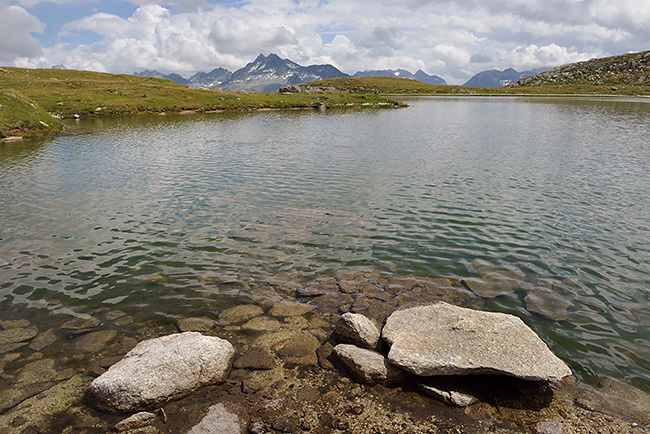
[(533, 206)]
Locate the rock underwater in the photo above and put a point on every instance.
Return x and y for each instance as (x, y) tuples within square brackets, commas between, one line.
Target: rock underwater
[(161, 369)]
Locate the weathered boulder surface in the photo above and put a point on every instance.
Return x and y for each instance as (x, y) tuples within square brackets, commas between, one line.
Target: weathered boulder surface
[(356, 329), (366, 366), (161, 369), (442, 339)]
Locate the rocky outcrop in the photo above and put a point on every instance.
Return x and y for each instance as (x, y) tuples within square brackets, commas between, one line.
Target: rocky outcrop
[(161, 369), (631, 69), (356, 329), (442, 339)]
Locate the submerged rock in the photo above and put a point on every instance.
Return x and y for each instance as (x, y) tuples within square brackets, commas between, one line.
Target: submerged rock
[(16, 335), (299, 350), (255, 358), (137, 420), (448, 396), (240, 314), (366, 366), (547, 305), (223, 419), (195, 324), (356, 329), (161, 369), (442, 339)]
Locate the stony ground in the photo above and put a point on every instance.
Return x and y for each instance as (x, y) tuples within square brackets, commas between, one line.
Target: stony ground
[(283, 378)]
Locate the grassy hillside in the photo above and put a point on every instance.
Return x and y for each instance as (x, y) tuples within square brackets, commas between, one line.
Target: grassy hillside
[(66, 93), (627, 74), (20, 116)]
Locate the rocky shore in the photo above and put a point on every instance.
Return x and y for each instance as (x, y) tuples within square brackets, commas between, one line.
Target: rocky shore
[(353, 353)]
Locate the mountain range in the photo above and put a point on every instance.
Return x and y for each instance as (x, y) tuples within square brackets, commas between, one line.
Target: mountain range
[(267, 74), (495, 78)]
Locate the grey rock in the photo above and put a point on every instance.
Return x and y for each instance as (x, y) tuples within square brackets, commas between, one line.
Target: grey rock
[(547, 427), (356, 329), (366, 366), (448, 396), (223, 419), (617, 399), (441, 339), (137, 420), (161, 369)]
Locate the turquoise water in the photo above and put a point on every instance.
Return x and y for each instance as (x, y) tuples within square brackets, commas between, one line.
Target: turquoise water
[(545, 197)]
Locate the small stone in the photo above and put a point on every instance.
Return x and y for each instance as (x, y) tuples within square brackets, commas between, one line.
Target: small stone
[(547, 305), (137, 420), (81, 323), (123, 321), (95, 341), (16, 335), (255, 358), (114, 314), (324, 352), (13, 324), (547, 427), (366, 366), (356, 329), (240, 314), (448, 396), (43, 340), (286, 424), (299, 350), (223, 419), (262, 324), (288, 309), (195, 324), (491, 286)]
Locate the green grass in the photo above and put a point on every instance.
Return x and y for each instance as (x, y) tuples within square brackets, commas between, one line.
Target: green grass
[(402, 86), (66, 93), (20, 116)]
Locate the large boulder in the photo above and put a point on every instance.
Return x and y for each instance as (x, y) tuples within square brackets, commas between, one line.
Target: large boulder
[(161, 369), (442, 339)]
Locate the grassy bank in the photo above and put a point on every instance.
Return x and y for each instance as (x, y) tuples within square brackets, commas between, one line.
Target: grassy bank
[(66, 93), (402, 86)]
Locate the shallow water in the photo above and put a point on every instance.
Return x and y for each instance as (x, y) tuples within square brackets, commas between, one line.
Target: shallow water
[(544, 200)]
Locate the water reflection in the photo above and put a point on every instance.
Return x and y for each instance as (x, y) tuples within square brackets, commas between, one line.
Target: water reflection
[(539, 206)]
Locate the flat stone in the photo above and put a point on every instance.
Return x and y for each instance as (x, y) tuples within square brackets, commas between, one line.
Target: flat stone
[(138, 420), (95, 341), (43, 340), (255, 358), (6, 348), (366, 366), (299, 350), (81, 323), (195, 324), (123, 321), (13, 324), (240, 314), (262, 324), (547, 305), (442, 339), (288, 309), (356, 329), (617, 399), (490, 286), (161, 369), (451, 397), (16, 335), (223, 419), (114, 314)]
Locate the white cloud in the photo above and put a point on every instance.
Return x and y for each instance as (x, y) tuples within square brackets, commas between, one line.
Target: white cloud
[(453, 39), (16, 39)]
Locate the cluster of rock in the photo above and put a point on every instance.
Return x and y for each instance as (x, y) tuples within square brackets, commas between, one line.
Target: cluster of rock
[(425, 341), (443, 340), (629, 69)]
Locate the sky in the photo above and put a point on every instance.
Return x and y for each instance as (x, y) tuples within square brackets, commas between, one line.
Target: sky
[(452, 39)]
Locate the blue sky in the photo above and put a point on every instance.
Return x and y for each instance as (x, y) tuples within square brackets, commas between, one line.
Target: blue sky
[(453, 39)]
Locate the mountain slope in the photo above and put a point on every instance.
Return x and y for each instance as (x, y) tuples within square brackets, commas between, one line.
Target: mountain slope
[(624, 73), (209, 80), (268, 73), (495, 78)]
